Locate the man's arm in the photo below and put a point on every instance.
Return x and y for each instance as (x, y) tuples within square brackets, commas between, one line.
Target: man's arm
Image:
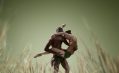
[(65, 41), (47, 46), (64, 34)]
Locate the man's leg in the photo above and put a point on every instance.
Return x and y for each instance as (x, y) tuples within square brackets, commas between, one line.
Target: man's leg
[(55, 63), (65, 65)]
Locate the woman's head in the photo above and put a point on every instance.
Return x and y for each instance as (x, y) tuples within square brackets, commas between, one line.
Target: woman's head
[(68, 31)]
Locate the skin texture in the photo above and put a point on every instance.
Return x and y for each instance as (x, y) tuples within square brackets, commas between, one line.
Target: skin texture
[(72, 41), (56, 42)]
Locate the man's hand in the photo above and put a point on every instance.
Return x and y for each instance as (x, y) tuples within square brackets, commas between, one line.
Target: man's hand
[(37, 55)]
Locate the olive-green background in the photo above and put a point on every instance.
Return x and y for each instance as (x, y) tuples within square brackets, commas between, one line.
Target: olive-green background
[(32, 22)]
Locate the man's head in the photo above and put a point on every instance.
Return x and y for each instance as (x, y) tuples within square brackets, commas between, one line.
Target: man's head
[(68, 31), (59, 29)]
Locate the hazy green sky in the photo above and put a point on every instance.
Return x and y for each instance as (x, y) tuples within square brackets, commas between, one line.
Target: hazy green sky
[(32, 22)]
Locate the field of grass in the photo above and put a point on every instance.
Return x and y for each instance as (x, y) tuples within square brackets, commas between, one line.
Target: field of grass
[(100, 62)]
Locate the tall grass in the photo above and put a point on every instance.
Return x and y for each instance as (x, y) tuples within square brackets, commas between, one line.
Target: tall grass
[(99, 62)]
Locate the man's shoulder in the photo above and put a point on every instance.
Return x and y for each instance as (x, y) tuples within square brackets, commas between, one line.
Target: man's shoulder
[(52, 36), (59, 34)]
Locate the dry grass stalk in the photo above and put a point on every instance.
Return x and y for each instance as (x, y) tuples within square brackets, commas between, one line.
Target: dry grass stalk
[(99, 62)]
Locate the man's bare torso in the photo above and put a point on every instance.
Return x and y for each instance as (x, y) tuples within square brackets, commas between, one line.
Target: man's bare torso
[(57, 42)]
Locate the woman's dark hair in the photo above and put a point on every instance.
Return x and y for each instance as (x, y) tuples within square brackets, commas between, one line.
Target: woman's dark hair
[(68, 31)]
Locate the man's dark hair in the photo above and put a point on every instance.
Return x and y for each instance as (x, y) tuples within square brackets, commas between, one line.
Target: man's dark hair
[(68, 31), (59, 29)]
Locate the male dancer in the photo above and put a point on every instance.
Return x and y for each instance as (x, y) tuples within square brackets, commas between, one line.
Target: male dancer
[(63, 54), (57, 60)]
